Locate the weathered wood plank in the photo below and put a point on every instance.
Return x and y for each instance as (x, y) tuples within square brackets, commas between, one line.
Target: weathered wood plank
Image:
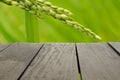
[(98, 62), (4, 46), (15, 59), (54, 62), (115, 46)]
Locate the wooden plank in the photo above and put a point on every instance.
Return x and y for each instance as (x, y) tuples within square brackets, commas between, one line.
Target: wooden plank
[(98, 62), (15, 59), (115, 46), (4, 46), (54, 62)]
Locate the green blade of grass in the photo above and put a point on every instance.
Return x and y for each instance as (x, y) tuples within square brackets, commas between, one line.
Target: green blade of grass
[(79, 76), (31, 23)]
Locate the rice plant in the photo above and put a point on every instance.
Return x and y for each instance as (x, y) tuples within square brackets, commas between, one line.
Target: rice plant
[(101, 17), (36, 7)]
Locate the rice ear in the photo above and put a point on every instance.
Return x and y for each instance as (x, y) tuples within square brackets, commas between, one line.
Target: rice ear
[(56, 12)]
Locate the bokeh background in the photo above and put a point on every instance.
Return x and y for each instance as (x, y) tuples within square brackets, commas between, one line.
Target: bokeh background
[(101, 16)]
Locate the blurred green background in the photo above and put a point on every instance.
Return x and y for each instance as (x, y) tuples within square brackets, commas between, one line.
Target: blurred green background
[(101, 16)]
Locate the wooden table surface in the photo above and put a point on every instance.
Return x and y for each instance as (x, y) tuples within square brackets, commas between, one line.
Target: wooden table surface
[(60, 61)]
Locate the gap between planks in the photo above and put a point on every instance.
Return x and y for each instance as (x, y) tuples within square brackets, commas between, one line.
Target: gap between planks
[(114, 47), (4, 46), (29, 63), (78, 62)]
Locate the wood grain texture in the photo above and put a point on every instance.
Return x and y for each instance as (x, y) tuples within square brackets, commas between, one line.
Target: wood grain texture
[(115, 46), (4, 46), (98, 62), (54, 62), (15, 58)]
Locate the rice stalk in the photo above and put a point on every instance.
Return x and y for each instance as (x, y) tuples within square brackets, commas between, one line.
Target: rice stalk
[(32, 29)]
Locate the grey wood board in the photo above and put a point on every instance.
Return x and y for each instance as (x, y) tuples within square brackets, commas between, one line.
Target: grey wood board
[(15, 58), (54, 62), (116, 46), (98, 62), (3, 46)]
